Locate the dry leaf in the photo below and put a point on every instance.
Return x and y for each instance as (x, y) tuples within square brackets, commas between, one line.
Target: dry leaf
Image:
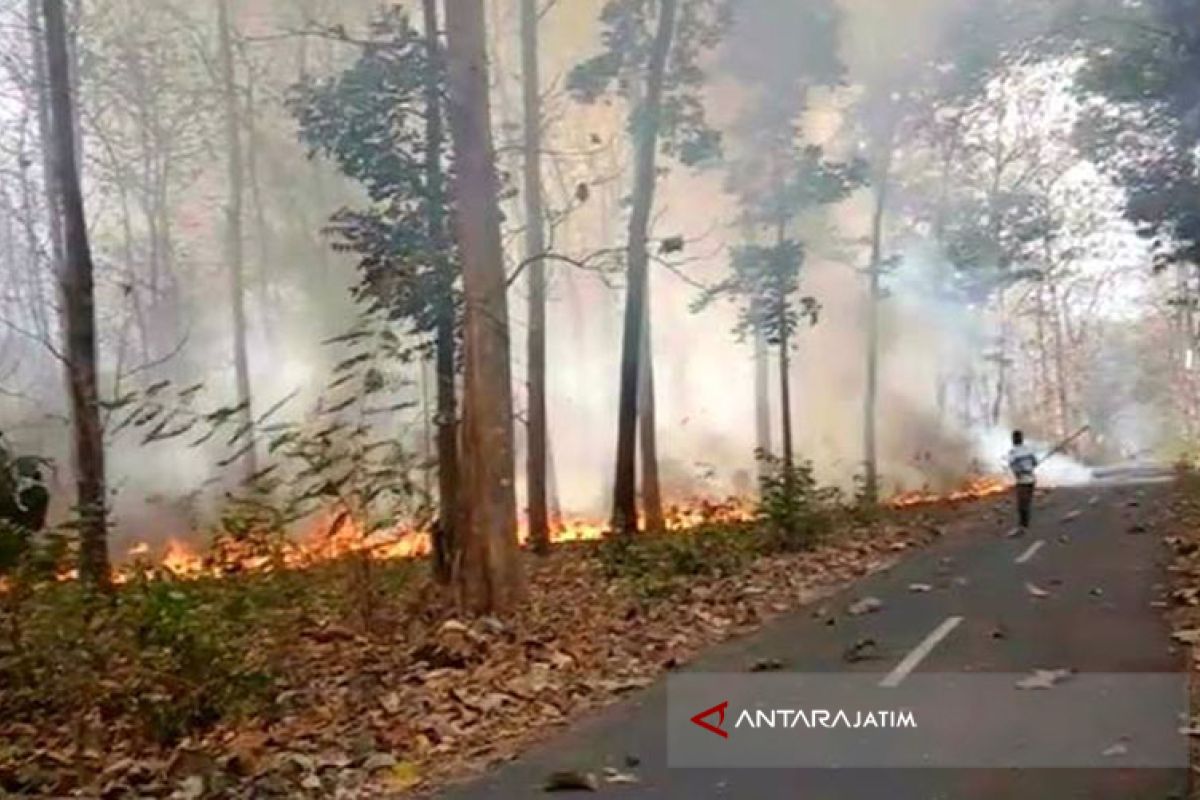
[(866, 605), (403, 775), (920, 588), (571, 781), (1034, 591), (1044, 679)]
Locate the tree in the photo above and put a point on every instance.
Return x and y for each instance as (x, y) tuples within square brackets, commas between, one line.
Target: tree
[(79, 313), (1142, 120), (234, 236), (490, 574), (535, 247), (766, 278), (779, 51), (651, 57), (381, 120)]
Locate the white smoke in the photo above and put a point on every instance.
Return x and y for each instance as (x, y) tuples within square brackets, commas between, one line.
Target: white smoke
[(992, 446)]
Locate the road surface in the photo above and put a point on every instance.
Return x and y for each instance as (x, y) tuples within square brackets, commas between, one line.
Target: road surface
[(1102, 580)]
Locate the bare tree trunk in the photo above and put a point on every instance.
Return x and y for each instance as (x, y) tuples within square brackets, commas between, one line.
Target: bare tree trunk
[(1060, 365), (624, 517), (490, 575), (870, 457), (79, 311), (53, 208), (445, 542), (652, 504), (233, 239), (762, 403), (785, 399), (535, 248)]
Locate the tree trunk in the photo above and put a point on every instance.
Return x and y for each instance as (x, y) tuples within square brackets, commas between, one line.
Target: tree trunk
[(762, 403), (490, 575), (445, 537), (1060, 365), (79, 311), (870, 458), (233, 239), (785, 399), (652, 504), (535, 248), (53, 207), (624, 517)]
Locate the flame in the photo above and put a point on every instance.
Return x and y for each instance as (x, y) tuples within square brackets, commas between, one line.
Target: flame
[(333, 535), (974, 489)]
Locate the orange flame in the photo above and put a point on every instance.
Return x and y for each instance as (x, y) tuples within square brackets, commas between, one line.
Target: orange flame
[(334, 535)]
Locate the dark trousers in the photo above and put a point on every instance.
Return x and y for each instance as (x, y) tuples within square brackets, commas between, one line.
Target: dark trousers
[(1024, 503)]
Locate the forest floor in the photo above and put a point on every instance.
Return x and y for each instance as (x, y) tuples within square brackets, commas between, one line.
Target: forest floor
[(1104, 590), (353, 679)]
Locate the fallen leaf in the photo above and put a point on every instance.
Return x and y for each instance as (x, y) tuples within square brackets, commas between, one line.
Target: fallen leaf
[(379, 761), (1035, 591), (1136, 528), (1117, 749), (391, 703), (1189, 636), (571, 781), (920, 588), (1071, 516), (866, 605), (191, 788), (613, 775), (862, 650), (766, 665), (403, 775), (1044, 679)]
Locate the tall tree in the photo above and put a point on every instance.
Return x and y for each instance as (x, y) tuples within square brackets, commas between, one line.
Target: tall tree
[(875, 268), (778, 51), (490, 573), (234, 237), (624, 516), (445, 316), (535, 246), (765, 279), (79, 310), (381, 120), (651, 56)]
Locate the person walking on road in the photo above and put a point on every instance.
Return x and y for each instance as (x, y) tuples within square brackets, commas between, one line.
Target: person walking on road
[(1022, 462)]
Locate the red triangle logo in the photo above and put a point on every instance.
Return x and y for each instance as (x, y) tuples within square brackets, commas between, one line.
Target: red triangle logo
[(717, 709)]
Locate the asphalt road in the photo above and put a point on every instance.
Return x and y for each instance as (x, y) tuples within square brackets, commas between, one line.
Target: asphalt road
[(1101, 578)]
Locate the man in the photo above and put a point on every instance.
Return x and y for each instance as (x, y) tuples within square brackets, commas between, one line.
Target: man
[(1022, 462)]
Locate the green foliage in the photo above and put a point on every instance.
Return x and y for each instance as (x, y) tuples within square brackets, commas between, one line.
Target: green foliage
[(1142, 121), (370, 120), (627, 37), (656, 566), (794, 510), (766, 278), (191, 672), (164, 658)]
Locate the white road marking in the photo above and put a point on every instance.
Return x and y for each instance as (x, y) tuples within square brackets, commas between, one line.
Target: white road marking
[(919, 653), (1029, 553)]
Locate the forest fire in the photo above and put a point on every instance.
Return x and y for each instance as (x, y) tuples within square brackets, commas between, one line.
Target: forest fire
[(974, 489), (330, 538)]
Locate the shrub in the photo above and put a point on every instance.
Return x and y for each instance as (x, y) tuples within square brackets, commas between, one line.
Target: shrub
[(794, 512), (656, 566)]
